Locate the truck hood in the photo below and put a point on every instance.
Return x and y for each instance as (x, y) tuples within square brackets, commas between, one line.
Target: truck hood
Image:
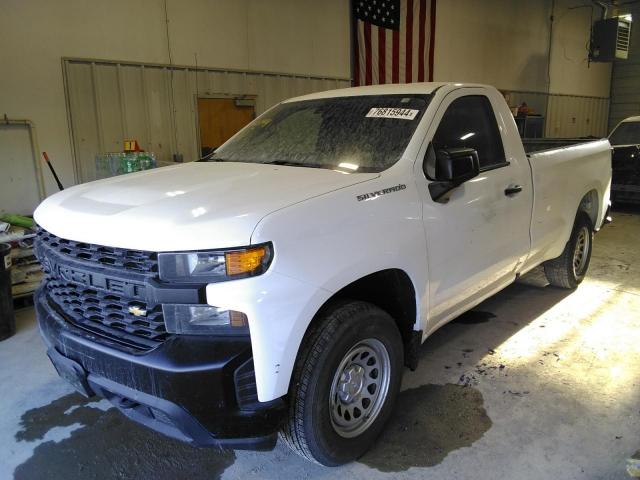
[(200, 205)]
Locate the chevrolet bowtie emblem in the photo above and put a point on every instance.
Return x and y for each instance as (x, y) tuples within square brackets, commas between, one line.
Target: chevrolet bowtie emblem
[(137, 311)]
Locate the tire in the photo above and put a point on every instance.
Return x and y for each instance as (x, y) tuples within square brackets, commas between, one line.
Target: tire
[(348, 343), (570, 268)]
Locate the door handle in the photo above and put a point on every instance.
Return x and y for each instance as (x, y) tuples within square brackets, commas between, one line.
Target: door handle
[(512, 190)]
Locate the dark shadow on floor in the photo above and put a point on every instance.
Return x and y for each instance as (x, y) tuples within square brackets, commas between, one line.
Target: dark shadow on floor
[(108, 445), (519, 305), (431, 421), (474, 316), (428, 423)]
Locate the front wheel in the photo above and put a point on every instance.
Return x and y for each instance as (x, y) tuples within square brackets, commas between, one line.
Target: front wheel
[(344, 385), (570, 268)]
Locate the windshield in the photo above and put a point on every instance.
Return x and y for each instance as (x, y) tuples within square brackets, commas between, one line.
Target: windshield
[(349, 134), (627, 133)]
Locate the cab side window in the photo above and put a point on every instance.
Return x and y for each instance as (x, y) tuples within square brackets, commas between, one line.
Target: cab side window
[(469, 122)]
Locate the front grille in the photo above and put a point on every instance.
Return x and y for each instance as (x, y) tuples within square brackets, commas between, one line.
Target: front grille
[(121, 258), (94, 287), (108, 315)]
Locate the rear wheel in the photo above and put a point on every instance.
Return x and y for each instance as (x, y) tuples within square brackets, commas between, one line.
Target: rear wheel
[(570, 268), (344, 385)]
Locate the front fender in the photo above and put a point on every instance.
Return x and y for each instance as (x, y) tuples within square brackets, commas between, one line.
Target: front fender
[(279, 309), (322, 245)]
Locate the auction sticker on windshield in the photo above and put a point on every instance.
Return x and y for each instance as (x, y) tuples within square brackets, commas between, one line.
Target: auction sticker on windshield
[(391, 112)]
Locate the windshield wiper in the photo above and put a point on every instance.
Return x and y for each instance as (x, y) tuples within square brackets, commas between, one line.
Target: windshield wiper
[(209, 159), (273, 162), (293, 164)]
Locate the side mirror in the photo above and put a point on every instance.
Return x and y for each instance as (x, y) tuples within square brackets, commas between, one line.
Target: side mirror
[(453, 167)]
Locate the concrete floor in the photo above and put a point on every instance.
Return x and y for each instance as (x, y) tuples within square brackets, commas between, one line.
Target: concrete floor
[(535, 383)]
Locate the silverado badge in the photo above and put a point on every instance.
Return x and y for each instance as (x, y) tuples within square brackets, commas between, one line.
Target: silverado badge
[(137, 311)]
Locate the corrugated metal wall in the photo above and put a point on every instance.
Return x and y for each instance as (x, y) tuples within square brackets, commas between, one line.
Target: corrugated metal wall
[(567, 116), (156, 104), (625, 80), (570, 116)]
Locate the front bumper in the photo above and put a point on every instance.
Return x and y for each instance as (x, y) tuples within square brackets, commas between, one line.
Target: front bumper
[(197, 389)]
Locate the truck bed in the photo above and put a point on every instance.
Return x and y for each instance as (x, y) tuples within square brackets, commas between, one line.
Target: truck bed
[(532, 145), (561, 178)]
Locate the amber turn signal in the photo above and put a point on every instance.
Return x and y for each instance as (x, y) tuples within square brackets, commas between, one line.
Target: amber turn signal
[(238, 319), (245, 261)]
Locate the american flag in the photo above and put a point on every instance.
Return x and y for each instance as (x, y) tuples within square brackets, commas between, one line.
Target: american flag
[(393, 41)]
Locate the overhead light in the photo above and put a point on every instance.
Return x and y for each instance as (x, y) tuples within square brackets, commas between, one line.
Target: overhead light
[(348, 166), (626, 17), (467, 135)]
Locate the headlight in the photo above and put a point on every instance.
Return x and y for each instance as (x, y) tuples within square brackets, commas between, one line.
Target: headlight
[(214, 266), (204, 320)]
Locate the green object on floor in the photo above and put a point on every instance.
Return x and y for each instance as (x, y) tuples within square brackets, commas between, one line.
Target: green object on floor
[(18, 220), (633, 465)]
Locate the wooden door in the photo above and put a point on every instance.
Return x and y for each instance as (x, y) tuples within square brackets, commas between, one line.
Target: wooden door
[(220, 119)]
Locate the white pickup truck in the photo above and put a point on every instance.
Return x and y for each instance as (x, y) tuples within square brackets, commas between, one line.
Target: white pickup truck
[(282, 284)]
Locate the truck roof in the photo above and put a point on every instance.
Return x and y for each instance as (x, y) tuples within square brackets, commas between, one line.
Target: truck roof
[(631, 119), (424, 88)]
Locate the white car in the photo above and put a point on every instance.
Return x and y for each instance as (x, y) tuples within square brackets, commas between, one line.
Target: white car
[(283, 284)]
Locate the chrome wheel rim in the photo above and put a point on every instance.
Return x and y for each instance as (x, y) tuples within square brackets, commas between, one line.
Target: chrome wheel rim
[(359, 388), (580, 251)]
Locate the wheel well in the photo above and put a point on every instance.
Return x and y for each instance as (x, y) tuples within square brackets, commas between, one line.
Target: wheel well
[(589, 205), (392, 291)]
